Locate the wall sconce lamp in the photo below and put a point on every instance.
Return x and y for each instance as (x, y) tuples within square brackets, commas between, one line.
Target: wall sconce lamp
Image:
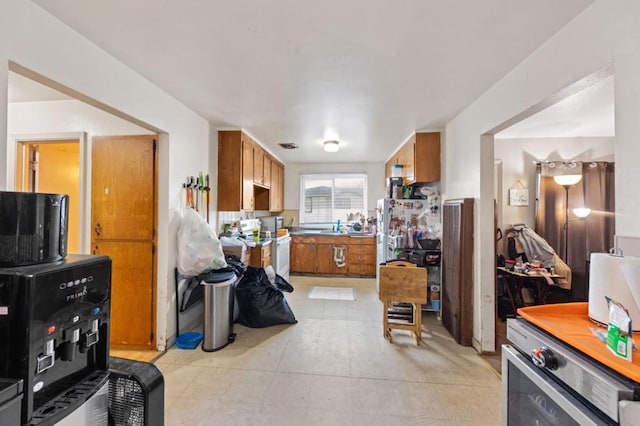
[(331, 146), (582, 212)]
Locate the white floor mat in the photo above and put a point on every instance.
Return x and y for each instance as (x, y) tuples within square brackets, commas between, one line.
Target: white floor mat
[(332, 293)]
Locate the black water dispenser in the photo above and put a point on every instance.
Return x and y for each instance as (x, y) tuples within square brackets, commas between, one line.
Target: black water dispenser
[(54, 334)]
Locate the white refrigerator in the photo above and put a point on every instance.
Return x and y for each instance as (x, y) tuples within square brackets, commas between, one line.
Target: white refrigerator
[(402, 222)]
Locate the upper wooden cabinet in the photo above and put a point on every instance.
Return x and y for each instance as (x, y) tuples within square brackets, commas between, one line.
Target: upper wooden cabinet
[(420, 158), (235, 171), (261, 167), (248, 199), (245, 175), (276, 192)]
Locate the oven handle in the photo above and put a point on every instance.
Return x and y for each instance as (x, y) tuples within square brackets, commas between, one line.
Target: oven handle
[(561, 397)]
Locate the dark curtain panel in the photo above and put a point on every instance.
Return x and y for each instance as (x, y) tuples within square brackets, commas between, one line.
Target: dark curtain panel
[(596, 191)]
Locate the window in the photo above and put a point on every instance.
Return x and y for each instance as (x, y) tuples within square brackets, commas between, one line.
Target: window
[(325, 198)]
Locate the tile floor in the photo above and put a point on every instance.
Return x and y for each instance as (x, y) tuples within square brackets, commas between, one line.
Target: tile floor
[(331, 368)]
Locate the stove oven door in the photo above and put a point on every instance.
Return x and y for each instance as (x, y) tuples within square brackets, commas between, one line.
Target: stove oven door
[(531, 397)]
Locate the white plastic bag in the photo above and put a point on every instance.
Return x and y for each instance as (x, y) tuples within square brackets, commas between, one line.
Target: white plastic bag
[(198, 247)]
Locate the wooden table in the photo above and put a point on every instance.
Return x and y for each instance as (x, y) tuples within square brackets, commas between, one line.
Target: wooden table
[(403, 290), (516, 281)]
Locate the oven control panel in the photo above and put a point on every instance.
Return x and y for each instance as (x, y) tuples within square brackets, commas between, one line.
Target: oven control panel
[(599, 386)]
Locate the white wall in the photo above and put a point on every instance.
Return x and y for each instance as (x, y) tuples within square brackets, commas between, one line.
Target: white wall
[(605, 33), (35, 40), (66, 116), (518, 164), (374, 171)]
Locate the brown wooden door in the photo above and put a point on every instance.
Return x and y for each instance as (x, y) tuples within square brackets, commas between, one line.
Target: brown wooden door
[(457, 269), (122, 187), (132, 295), (123, 205)]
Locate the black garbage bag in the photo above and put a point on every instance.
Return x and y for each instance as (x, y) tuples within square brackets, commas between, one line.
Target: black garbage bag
[(262, 304), (236, 264), (283, 285)]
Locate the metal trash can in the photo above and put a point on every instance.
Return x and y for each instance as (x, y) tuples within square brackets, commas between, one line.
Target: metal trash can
[(218, 310)]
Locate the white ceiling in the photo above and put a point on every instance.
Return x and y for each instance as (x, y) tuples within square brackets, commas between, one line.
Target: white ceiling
[(368, 73)]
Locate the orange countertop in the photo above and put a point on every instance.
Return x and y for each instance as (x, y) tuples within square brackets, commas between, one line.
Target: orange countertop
[(570, 323)]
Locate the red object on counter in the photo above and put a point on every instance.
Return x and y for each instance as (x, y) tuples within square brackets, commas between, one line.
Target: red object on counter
[(570, 323)]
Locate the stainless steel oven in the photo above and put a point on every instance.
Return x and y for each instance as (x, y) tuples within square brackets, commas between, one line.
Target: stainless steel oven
[(547, 382)]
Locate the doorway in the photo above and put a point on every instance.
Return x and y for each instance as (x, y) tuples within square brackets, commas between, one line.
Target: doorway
[(559, 133), (29, 96), (53, 166)]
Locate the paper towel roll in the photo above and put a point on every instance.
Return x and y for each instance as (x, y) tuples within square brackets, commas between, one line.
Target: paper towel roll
[(618, 278)]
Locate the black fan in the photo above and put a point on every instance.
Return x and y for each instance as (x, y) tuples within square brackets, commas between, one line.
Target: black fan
[(136, 393)]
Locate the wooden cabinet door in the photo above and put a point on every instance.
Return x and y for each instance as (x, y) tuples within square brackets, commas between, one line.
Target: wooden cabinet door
[(122, 189), (230, 184), (276, 194), (427, 157), (258, 165), (247, 175), (325, 259), (261, 256), (266, 255), (132, 295), (407, 160), (266, 171), (123, 206), (362, 257), (280, 188), (273, 191), (303, 257)]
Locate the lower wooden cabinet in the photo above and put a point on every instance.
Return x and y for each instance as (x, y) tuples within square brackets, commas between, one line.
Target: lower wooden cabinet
[(261, 256), (325, 254), (303, 254), (332, 255), (361, 259)]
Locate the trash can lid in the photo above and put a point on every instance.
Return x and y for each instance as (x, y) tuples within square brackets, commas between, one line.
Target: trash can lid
[(214, 277)]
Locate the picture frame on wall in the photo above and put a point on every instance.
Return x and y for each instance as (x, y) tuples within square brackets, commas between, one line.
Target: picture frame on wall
[(518, 197)]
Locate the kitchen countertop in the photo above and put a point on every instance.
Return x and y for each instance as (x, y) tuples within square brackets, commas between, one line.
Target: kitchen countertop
[(331, 233), (260, 243)]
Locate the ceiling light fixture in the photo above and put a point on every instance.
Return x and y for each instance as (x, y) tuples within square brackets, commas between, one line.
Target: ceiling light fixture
[(331, 146)]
